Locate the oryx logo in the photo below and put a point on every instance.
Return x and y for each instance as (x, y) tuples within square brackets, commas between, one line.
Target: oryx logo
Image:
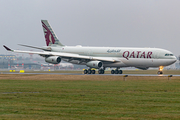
[(48, 35)]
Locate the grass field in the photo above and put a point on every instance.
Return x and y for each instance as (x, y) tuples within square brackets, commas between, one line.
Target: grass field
[(88, 97)]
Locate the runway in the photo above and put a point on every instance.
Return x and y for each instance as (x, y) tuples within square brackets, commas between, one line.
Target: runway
[(93, 74)]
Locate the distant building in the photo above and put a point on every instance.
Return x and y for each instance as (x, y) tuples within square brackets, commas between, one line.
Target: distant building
[(7, 60)]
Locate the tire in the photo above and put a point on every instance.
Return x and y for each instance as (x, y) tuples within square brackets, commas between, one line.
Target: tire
[(159, 72), (116, 71), (99, 72), (112, 71), (85, 71), (93, 72), (89, 71), (102, 71), (120, 71)]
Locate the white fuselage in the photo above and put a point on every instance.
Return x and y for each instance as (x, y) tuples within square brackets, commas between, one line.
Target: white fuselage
[(124, 56)]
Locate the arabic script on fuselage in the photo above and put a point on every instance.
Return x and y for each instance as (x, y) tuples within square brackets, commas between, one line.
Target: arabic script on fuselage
[(113, 50)]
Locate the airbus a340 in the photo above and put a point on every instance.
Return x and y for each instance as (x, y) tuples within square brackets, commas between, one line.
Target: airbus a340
[(100, 57)]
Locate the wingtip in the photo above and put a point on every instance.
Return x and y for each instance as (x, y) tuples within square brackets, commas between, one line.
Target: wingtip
[(7, 48)]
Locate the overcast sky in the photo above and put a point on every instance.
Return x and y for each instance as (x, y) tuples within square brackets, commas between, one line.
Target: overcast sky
[(114, 23)]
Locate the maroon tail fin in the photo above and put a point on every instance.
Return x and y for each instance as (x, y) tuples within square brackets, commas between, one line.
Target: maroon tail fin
[(49, 34)]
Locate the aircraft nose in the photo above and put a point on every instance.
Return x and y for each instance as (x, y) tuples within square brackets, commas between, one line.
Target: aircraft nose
[(174, 59)]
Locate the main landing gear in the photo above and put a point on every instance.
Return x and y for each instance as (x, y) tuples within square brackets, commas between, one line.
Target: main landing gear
[(89, 71), (160, 70), (101, 71), (116, 71), (92, 71)]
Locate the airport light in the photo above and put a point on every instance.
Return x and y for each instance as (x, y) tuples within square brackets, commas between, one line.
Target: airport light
[(161, 68), (169, 77), (124, 77)]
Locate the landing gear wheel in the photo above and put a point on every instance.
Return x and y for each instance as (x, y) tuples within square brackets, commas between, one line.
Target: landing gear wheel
[(116, 71), (85, 71), (93, 72), (120, 71), (159, 72), (101, 71), (89, 71), (112, 71)]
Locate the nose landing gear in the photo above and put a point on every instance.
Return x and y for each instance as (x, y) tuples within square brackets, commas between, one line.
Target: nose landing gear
[(160, 70)]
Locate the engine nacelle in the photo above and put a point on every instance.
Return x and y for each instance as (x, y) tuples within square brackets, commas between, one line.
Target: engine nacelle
[(94, 64), (53, 59)]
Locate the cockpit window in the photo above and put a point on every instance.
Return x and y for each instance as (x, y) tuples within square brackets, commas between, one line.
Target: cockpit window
[(169, 55)]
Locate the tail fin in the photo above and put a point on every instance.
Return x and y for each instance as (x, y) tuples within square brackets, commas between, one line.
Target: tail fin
[(49, 34)]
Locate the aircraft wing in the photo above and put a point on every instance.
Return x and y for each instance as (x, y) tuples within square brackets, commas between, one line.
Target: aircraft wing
[(34, 47), (65, 55)]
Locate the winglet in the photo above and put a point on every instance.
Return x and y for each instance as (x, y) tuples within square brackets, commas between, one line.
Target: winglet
[(7, 48)]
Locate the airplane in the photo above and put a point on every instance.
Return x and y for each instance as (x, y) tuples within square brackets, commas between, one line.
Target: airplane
[(100, 57)]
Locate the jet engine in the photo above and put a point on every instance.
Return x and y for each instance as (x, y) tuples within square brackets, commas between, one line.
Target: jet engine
[(94, 64), (53, 59)]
